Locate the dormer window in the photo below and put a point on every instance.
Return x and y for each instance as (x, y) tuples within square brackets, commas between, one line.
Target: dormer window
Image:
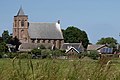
[(22, 23)]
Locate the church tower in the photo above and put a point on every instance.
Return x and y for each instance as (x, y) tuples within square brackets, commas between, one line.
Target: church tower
[(20, 26)]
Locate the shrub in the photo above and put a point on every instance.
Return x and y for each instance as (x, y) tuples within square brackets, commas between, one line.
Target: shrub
[(46, 53), (93, 55), (36, 51), (24, 55), (12, 55), (58, 53), (42, 47)]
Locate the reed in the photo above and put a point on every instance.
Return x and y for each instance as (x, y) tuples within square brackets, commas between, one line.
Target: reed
[(54, 69)]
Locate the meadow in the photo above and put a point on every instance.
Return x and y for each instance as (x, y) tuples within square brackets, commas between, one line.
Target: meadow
[(55, 69)]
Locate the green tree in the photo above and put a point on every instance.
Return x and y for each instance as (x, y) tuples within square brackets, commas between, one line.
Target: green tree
[(75, 35), (109, 40), (1, 40), (5, 36), (15, 41), (3, 47)]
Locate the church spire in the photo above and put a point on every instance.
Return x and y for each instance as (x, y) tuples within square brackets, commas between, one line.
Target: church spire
[(20, 12)]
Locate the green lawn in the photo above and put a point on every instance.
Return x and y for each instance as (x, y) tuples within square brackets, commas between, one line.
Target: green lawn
[(52, 69)]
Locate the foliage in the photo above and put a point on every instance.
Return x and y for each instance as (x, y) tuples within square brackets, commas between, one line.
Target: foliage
[(1, 39), (36, 51), (58, 53), (42, 47), (15, 41), (5, 36), (3, 47), (24, 56), (109, 40), (12, 55), (93, 55), (48, 52), (75, 35)]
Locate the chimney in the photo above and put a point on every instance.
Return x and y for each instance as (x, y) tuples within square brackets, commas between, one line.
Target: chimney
[(58, 21)]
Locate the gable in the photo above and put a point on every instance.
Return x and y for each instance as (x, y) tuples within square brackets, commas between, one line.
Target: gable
[(78, 46), (72, 50)]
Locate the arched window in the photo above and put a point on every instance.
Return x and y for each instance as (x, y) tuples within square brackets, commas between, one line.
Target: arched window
[(22, 23)]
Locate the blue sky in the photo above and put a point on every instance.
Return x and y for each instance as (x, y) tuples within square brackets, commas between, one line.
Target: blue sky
[(99, 18)]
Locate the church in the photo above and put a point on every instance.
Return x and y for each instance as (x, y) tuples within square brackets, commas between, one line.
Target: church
[(37, 32)]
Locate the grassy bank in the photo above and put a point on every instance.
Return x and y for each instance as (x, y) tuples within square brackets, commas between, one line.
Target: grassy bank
[(52, 69)]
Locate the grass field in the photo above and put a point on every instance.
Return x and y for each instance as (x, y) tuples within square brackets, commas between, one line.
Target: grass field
[(52, 69)]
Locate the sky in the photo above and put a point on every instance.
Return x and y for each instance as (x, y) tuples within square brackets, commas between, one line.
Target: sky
[(98, 18)]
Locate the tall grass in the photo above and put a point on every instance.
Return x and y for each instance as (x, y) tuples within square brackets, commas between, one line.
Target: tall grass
[(52, 69)]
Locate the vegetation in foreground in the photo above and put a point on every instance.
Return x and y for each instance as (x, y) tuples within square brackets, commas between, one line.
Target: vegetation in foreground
[(54, 69)]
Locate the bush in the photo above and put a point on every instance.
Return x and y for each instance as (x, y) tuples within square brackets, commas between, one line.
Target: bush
[(46, 52), (36, 51), (42, 47), (24, 55), (12, 55), (58, 53), (93, 55)]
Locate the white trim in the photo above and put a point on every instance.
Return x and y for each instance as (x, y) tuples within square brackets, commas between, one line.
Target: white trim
[(71, 48)]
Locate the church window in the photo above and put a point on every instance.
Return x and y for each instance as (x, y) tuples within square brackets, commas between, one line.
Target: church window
[(38, 41), (48, 41), (43, 41), (33, 41), (54, 42), (22, 23)]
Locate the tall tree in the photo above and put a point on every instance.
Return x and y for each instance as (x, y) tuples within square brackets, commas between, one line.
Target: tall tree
[(5, 36), (3, 47), (109, 40), (1, 40), (15, 41), (75, 35)]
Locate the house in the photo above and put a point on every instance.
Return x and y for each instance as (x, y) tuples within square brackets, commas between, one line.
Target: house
[(11, 48), (104, 50), (37, 32), (98, 47), (72, 47)]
